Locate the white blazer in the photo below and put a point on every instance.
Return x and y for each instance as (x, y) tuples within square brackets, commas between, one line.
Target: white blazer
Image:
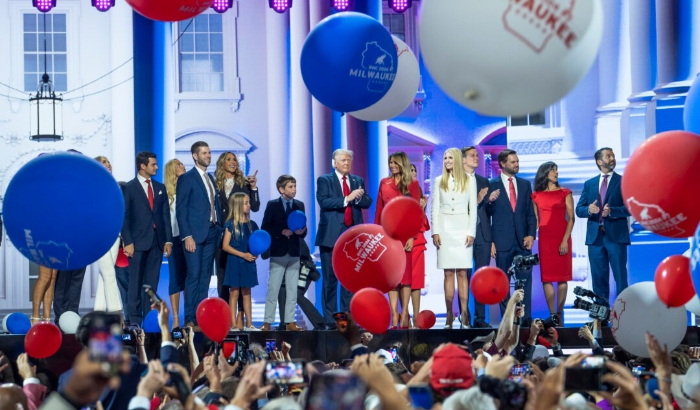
[(452, 202)]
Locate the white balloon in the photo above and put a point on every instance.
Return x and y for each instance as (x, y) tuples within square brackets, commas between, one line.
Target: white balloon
[(504, 57), (68, 322), (638, 310), (694, 305), (402, 91)]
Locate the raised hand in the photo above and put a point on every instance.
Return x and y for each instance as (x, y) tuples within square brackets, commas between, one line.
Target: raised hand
[(593, 208), (494, 195)]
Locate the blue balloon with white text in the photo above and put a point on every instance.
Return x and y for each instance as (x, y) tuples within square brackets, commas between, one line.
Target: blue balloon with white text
[(349, 61)]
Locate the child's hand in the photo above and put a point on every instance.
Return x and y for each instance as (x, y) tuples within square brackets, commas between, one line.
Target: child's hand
[(287, 232), (249, 257), (300, 231)]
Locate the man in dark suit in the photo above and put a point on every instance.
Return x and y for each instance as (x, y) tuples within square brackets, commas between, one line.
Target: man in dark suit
[(513, 222), (198, 213), (607, 229), (483, 239), (147, 233), (284, 251), (341, 197)]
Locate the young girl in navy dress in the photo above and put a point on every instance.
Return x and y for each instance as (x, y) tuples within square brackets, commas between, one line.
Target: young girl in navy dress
[(241, 272)]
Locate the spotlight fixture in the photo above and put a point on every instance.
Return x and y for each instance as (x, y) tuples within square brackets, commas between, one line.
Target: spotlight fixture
[(342, 5), (102, 5), (280, 6), (399, 6), (44, 6), (221, 6)]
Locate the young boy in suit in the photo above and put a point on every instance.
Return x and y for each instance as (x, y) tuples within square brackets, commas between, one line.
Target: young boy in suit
[(284, 251)]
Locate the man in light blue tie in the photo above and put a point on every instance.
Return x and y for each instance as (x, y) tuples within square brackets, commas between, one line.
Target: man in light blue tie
[(607, 234)]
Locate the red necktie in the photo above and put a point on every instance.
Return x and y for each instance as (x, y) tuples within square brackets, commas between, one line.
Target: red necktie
[(511, 191), (150, 193), (348, 209)]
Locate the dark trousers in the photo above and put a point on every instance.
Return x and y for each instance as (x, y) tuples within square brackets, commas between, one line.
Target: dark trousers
[(221, 257), (177, 267), (66, 297), (123, 285), (482, 257), (199, 269), (503, 260), (304, 303), (330, 288), (144, 269), (605, 255)]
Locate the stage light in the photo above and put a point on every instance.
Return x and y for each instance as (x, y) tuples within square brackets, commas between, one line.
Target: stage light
[(102, 5), (342, 5), (280, 6), (399, 6), (44, 6), (221, 6)]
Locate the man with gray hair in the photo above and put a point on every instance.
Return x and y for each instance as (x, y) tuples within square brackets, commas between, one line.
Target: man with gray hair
[(341, 197)]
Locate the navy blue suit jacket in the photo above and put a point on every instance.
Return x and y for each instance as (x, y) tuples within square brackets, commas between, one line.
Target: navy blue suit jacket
[(139, 218), (330, 198), (274, 221), (616, 226), (192, 206), (504, 222), (483, 229)]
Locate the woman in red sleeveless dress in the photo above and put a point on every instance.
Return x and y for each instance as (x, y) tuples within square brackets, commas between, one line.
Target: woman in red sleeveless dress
[(418, 254), (554, 208)]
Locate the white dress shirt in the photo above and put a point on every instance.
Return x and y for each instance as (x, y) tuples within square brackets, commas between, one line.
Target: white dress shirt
[(506, 184), (340, 179), (144, 185)]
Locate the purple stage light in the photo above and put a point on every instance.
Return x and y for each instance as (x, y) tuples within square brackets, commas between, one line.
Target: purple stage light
[(341, 5), (399, 6), (280, 6), (102, 5), (44, 6), (221, 6)]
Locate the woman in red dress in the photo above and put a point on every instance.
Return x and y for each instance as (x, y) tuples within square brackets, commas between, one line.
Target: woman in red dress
[(399, 183), (554, 208), (418, 254)]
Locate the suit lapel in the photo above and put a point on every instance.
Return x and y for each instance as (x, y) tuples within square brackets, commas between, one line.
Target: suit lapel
[(142, 193), (596, 192), (504, 193), (614, 180), (337, 184)]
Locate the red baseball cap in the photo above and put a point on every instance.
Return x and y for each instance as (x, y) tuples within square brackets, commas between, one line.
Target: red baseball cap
[(451, 370)]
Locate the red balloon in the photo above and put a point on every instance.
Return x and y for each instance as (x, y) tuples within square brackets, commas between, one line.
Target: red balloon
[(364, 256), (214, 318), (674, 282), (43, 340), (170, 10), (122, 259), (402, 218), (426, 319), (371, 310), (658, 184), (489, 285)]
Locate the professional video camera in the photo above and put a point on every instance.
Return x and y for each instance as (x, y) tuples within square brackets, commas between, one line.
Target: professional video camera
[(597, 311)]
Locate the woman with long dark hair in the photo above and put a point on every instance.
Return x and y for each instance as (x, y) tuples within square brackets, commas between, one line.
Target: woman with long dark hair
[(554, 208)]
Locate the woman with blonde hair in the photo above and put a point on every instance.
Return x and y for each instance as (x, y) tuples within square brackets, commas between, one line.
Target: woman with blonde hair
[(177, 267), (400, 183), (454, 228)]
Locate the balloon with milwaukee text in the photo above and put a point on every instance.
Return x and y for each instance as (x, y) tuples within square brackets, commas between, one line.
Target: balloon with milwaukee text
[(657, 191), (370, 310), (170, 10), (638, 311), (71, 233), (489, 285), (503, 57), (673, 282), (348, 61), (364, 256), (402, 91), (402, 218)]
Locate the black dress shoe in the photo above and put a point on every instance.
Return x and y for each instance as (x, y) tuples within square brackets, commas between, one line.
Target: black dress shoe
[(482, 324)]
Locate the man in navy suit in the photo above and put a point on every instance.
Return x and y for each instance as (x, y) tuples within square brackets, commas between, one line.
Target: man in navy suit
[(341, 197), (198, 213), (147, 233), (483, 239), (607, 230), (513, 222)]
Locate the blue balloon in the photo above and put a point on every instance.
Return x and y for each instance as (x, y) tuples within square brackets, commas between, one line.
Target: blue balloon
[(296, 220), (691, 110), (150, 322), (259, 242), (349, 61), (63, 211), (695, 259), (16, 323)]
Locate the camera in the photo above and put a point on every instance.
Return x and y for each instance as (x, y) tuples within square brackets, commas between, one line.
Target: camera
[(130, 335), (596, 310), (552, 321), (179, 333), (588, 377), (527, 261)]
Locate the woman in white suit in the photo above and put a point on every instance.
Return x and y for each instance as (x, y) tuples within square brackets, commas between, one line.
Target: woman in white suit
[(453, 228)]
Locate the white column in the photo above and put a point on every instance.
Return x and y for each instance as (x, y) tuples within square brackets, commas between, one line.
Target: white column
[(169, 97), (122, 96)]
